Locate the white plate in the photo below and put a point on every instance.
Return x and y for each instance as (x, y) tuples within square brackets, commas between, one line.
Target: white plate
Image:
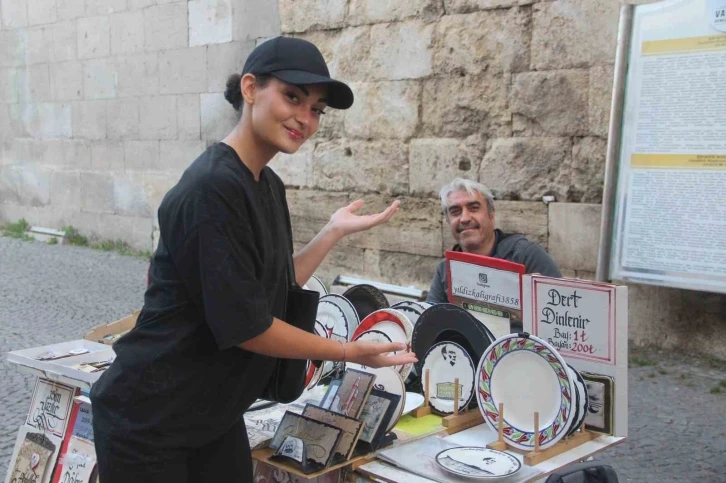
[(447, 361), (414, 401), (351, 316), (527, 375), (413, 310), (374, 335), (581, 400), (387, 380), (478, 463), (395, 325), (317, 285)]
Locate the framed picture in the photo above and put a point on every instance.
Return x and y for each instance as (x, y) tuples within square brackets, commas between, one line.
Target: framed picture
[(34, 456), (377, 412), (327, 400), (352, 393), (601, 396), (352, 428), (319, 439)]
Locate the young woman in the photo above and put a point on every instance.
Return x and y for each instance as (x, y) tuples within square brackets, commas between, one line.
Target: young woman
[(170, 407)]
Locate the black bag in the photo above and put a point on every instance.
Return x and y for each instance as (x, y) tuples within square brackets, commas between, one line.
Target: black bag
[(287, 382)]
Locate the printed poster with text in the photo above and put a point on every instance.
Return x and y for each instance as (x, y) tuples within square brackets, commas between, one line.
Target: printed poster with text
[(489, 288)]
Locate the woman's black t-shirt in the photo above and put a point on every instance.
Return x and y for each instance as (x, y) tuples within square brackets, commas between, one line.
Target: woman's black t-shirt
[(217, 279)]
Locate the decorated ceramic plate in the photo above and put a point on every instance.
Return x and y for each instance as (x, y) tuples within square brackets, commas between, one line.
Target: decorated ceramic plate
[(395, 325), (580, 400), (366, 299), (447, 322), (413, 310), (414, 401), (351, 316), (446, 362), (477, 462), (317, 285), (527, 375), (387, 380)]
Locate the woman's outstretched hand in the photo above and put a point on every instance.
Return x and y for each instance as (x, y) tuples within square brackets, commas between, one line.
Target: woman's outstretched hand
[(346, 222), (377, 354)]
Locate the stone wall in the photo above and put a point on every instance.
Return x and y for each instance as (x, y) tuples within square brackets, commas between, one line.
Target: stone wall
[(103, 103)]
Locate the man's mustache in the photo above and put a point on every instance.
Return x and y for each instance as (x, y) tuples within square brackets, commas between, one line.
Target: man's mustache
[(460, 227)]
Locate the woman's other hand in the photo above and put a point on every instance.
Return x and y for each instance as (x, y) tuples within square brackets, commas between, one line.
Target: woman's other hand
[(377, 354), (346, 222)]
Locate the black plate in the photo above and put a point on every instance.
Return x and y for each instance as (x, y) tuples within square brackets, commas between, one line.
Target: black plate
[(366, 299), (447, 322)]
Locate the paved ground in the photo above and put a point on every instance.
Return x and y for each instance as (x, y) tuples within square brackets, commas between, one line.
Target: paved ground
[(55, 293)]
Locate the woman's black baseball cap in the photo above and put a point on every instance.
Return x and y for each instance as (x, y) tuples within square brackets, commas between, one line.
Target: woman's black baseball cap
[(299, 62)]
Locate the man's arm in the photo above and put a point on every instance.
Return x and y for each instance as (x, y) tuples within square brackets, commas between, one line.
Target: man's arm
[(437, 292)]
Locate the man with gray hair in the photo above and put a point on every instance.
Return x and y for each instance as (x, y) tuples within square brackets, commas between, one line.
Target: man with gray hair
[(469, 210)]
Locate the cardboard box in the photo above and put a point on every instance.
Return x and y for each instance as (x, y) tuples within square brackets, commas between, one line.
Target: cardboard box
[(110, 333)]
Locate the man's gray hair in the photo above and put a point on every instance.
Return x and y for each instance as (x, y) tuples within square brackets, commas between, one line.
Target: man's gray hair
[(471, 187)]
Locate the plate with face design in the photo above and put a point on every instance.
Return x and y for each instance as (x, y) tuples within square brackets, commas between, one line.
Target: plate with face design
[(446, 362)]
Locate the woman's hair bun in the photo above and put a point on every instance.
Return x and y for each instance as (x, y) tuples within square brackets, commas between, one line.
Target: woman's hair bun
[(233, 93)]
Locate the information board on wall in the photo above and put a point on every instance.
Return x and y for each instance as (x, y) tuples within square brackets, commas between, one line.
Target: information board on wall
[(669, 223)]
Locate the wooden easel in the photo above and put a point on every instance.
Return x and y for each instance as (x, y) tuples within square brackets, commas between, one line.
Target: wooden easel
[(458, 421), (535, 457)]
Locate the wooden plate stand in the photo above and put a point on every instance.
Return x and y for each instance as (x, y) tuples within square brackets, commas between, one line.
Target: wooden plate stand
[(456, 422), (532, 458)]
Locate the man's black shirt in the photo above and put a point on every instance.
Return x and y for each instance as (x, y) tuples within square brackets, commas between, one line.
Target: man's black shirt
[(217, 279)]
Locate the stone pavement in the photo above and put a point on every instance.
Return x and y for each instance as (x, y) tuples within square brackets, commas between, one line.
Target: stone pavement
[(56, 293)]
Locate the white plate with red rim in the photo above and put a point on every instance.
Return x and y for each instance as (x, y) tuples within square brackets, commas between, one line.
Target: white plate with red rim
[(345, 306), (446, 362), (387, 380), (395, 325)]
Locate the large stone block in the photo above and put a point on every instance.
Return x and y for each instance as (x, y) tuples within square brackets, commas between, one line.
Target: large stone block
[(188, 117), (303, 15), (65, 191), (332, 124), (105, 7), (224, 60), (464, 45), (600, 97), (123, 118), (38, 45), (468, 6), (295, 169), (166, 27), (99, 79), (140, 195), (342, 260), (528, 218), (70, 9), (310, 211), (35, 84), (14, 49), (107, 156), (25, 186), (127, 32), (415, 229), (380, 11), (158, 117), (137, 75), (408, 270), (42, 11), (210, 22), (77, 154), (574, 230), (347, 52), (550, 103), (218, 117), (67, 78), (183, 71), (14, 13), (384, 110), (461, 106), (97, 192), (9, 85), (141, 156), (44, 120), (253, 20), (347, 165), (401, 50), (586, 175), (65, 41), (139, 4), (94, 37), (435, 162), (574, 33), (176, 156), (525, 168)]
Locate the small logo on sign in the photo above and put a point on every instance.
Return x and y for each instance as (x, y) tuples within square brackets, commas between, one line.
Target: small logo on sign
[(483, 278)]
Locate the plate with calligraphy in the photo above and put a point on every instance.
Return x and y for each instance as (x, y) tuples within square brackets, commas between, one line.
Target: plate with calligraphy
[(478, 463), (394, 325), (345, 306), (447, 362), (527, 375)]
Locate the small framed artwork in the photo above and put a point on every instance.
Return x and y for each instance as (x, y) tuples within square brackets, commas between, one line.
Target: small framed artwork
[(327, 400), (601, 396), (352, 393), (34, 456), (50, 407), (377, 412), (319, 439), (352, 429), (292, 448)]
